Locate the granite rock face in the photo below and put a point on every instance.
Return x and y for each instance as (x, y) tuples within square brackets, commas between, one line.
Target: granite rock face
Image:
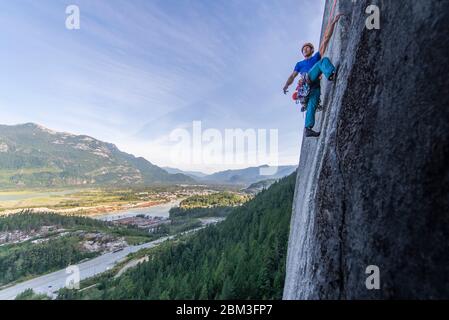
[(374, 188)]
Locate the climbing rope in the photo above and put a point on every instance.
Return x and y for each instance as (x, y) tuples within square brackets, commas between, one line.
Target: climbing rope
[(331, 16), (320, 107), (329, 21)]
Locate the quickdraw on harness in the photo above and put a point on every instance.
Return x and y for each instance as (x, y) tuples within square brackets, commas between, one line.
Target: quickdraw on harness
[(301, 94)]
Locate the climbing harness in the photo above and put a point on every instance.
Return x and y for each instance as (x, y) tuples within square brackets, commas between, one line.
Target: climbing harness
[(302, 92)]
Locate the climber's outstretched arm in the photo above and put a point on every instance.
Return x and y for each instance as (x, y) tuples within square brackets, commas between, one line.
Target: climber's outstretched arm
[(328, 35), (290, 81)]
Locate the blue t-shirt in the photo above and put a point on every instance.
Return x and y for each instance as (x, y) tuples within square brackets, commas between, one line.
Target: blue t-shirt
[(305, 65)]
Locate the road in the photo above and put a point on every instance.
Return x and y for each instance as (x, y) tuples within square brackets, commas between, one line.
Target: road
[(50, 283)]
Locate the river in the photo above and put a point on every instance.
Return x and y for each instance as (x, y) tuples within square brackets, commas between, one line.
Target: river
[(161, 210)]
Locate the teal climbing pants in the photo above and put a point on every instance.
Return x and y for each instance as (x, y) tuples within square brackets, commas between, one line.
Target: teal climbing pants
[(312, 104), (324, 66)]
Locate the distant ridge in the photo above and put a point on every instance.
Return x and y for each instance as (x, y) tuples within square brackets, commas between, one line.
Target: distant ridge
[(248, 176), (34, 156)]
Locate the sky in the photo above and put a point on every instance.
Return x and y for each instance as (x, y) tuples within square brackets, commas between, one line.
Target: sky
[(137, 70)]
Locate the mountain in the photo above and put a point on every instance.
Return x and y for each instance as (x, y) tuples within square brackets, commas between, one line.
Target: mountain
[(193, 174), (370, 217), (259, 186), (248, 176), (241, 258), (34, 156)]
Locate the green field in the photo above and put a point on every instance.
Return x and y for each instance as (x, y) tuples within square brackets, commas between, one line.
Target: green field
[(60, 199)]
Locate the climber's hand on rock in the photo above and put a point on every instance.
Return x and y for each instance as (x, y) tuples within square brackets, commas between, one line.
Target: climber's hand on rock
[(338, 16)]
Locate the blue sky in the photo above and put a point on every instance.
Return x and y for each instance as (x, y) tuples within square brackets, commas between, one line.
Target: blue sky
[(136, 70)]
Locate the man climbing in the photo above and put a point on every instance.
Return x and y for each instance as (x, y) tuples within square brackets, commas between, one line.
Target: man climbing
[(311, 69)]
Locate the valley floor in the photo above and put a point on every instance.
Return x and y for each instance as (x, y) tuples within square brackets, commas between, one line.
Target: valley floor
[(92, 202)]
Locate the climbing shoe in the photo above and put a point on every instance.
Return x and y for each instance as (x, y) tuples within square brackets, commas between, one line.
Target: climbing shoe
[(334, 74), (311, 133)]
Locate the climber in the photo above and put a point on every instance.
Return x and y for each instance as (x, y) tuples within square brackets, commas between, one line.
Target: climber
[(311, 69)]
